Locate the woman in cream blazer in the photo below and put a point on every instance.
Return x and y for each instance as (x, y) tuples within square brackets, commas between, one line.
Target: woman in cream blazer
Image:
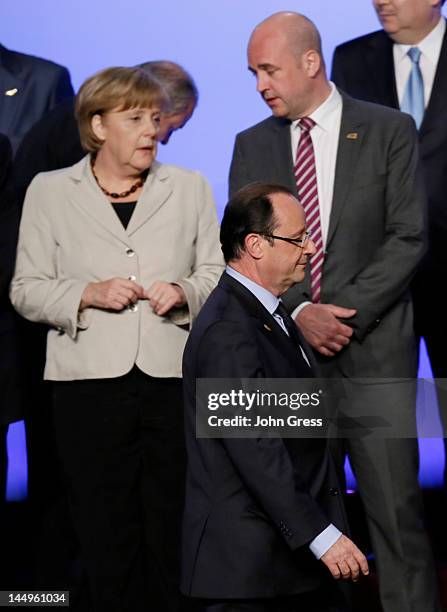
[(117, 254)]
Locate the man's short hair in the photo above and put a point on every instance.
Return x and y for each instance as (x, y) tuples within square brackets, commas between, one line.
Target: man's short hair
[(178, 84), (250, 211), (115, 89)]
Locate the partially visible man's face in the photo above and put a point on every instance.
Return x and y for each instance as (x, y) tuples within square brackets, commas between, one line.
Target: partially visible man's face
[(170, 122), (284, 264), (401, 19), (280, 77)]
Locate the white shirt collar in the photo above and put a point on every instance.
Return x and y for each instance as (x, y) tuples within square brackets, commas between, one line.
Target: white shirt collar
[(267, 299), (429, 46), (324, 113)]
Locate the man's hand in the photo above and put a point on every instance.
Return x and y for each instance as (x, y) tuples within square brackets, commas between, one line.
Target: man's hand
[(345, 560), (320, 325), (163, 296), (113, 294)]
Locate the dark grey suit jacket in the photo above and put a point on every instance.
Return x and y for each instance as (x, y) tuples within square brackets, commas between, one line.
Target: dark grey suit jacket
[(376, 233), (34, 85)]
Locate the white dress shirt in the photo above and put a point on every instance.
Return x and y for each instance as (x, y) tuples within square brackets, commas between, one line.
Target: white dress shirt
[(430, 48), (330, 535)]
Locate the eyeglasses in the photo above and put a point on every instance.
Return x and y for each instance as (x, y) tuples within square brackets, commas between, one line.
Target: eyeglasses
[(299, 242)]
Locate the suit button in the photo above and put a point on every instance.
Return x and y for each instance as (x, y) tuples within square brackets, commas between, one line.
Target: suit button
[(130, 252), (132, 277), (334, 491), (132, 307)]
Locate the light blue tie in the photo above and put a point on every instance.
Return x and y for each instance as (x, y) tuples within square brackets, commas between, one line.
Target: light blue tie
[(413, 100)]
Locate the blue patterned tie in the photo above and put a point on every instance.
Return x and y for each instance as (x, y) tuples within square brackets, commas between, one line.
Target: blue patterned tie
[(413, 100)]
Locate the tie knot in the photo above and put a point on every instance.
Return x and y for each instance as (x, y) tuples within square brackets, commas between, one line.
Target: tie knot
[(281, 310), (414, 54), (306, 124)]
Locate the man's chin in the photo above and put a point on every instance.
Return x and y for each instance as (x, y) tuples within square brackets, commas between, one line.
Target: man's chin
[(278, 112)]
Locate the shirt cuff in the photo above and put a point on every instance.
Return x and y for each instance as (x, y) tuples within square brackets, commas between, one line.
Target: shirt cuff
[(298, 309), (322, 543)]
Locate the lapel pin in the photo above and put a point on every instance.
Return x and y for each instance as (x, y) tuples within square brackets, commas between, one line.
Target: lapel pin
[(267, 327), (352, 136), (11, 92)]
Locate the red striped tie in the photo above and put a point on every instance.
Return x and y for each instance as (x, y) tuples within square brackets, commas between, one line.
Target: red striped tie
[(306, 184)]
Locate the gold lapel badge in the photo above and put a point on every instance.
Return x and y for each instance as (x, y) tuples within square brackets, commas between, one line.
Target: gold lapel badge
[(352, 136), (11, 92), (267, 327)]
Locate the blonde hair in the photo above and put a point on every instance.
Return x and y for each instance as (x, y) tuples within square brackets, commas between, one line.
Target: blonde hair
[(119, 89)]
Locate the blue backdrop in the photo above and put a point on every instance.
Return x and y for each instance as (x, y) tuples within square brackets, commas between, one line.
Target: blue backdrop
[(209, 39)]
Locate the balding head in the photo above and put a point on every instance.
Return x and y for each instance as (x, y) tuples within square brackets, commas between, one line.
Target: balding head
[(284, 52), (298, 31)]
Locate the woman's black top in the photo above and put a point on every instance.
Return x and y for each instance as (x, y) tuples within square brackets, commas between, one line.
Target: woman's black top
[(124, 210)]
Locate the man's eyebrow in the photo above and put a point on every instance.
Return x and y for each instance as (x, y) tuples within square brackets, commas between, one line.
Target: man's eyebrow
[(263, 67), (299, 232)]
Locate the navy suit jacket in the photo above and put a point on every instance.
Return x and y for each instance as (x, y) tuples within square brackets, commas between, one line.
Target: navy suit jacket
[(10, 367), (252, 505), (29, 87), (364, 68)]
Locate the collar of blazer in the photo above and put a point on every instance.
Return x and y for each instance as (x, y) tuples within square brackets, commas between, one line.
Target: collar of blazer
[(436, 105), (85, 193), (380, 67), (265, 322)]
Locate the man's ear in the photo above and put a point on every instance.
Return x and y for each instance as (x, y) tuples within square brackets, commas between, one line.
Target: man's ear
[(98, 126), (312, 63), (254, 246)]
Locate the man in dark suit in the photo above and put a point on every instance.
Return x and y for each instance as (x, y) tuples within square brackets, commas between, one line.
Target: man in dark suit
[(10, 404), (377, 68), (29, 87), (256, 509), (353, 166)]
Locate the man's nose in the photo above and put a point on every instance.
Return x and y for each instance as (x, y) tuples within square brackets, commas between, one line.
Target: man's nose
[(309, 247), (261, 82)]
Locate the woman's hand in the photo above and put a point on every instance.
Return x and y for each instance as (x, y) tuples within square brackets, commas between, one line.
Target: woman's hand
[(163, 296), (113, 294)]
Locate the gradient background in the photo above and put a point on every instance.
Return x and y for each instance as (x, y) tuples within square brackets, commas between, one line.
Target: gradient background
[(209, 39)]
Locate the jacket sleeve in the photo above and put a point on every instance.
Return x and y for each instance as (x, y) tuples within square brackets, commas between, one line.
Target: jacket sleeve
[(227, 350), (38, 291), (208, 260)]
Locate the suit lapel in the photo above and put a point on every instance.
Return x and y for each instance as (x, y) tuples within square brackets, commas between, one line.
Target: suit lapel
[(436, 104), (86, 195), (157, 190), (348, 153), (380, 61), (11, 90), (268, 326)]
